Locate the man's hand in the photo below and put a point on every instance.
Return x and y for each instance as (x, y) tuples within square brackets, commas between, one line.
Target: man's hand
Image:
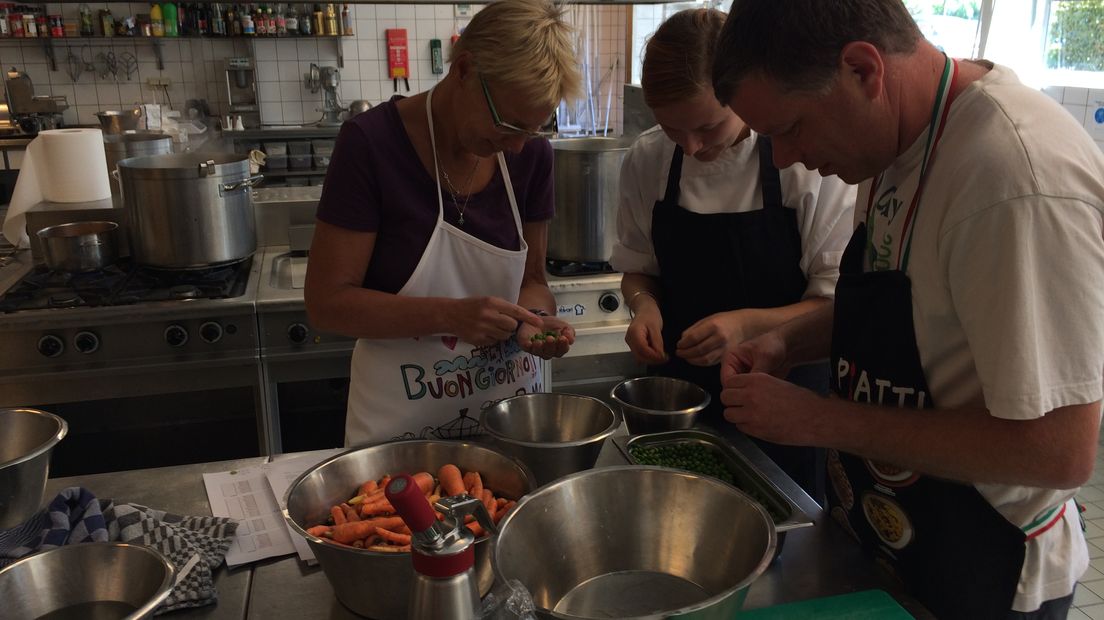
[(773, 409)]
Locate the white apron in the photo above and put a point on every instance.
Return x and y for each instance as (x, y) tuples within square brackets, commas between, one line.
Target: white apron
[(435, 386)]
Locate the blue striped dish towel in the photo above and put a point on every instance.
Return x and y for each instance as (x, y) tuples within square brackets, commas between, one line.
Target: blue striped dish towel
[(195, 545)]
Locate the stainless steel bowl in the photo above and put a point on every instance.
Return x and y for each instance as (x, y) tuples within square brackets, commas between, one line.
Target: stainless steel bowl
[(635, 542), (28, 438), (373, 584), (657, 404), (87, 580), (554, 434), (80, 246), (119, 121)]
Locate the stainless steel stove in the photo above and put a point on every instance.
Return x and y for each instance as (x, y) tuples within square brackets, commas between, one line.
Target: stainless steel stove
[(150, 368)]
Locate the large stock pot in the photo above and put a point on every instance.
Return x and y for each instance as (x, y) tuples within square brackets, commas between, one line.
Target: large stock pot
[(587, 171), (189, 210)]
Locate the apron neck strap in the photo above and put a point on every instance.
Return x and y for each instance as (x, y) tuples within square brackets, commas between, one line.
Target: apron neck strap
[(936, 125), (433, 148)]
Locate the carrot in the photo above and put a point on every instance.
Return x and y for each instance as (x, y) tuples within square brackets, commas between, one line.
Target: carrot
[(338, 515), (489, 502), (425, 482), (380, 506), (359, 543), (389, 548), (349, 532), (503, 510), (475, 528), (451, 480), (473, 483), (318, 530), (350, 513), (393, 537), (501, 501), (367, 487)]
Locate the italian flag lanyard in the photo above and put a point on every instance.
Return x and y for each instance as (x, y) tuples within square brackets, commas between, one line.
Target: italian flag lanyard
[(889, 227)]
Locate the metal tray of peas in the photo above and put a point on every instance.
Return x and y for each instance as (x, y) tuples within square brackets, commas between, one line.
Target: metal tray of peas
[(745, 476)]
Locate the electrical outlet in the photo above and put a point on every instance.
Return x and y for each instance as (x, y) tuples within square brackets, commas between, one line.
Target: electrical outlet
[(158, 82)]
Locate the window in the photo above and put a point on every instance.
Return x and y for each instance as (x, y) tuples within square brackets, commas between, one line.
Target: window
[(1073, 35), (952, 26)]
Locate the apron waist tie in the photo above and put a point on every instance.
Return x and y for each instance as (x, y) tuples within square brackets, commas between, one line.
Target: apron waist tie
[(1045, 521)]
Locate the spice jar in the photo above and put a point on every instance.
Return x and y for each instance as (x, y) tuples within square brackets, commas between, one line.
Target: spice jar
[(57, 26)]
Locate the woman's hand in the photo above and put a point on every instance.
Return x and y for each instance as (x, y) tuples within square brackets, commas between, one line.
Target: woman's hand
[(704, 343), (551, 339), (645, 335), (484, 321)]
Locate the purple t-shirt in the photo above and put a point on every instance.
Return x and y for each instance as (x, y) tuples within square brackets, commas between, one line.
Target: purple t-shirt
[(376, 183)]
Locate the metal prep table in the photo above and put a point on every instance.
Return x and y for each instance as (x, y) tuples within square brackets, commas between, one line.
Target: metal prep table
[(816, 562)]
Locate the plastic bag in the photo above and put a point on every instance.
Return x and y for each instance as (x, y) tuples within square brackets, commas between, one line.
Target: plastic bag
[(508, 601)]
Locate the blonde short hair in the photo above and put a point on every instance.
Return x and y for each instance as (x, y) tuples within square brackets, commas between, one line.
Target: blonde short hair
[(525, 44)]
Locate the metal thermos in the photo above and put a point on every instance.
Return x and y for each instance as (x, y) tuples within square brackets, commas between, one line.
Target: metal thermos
[(443, 552)]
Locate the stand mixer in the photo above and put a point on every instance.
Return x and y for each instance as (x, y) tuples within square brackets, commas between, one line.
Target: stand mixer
[(327, 79)]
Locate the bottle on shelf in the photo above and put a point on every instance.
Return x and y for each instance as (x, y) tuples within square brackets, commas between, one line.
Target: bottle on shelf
[(281, 21), (168, 16), (217, 21), (30, 28), (233, 22), (292, 20), (107, 23), (305, 21), (319, 25), (5, 27), (260, 23), (332, 29), (248, 28), (42, 25), (157, 21), (15, 21), (86, 29), (346, 21)]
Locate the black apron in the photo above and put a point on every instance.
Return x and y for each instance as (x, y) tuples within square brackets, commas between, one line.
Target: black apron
[(717, 262), (950, 547)]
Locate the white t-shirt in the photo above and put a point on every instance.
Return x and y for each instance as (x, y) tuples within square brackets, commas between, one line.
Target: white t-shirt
[(1007, 270), (730, 184)]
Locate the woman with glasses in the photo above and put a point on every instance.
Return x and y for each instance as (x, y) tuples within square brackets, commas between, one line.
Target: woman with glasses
[(431, 234), (716, 244)]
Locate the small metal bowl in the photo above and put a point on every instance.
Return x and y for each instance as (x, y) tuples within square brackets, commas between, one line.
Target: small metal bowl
[(657, 404), (26, 443), (635, 542), (554, 434), (87, 580)]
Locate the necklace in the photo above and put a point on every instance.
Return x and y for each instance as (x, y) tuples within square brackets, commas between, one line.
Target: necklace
[(456, 193)]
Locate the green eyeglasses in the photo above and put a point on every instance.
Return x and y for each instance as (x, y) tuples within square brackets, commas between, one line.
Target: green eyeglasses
[(513, 130)]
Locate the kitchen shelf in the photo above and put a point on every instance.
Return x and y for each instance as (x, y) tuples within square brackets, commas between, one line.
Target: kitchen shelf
[(293, 173), (50, 44)]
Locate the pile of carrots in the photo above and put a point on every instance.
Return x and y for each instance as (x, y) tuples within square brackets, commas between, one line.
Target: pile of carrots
[(368, 521)]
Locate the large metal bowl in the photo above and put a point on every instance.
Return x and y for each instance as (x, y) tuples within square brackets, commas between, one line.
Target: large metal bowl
[(374, 584), (657, 404), (635, 542), (27, 439), (87, 580), (554, 434)]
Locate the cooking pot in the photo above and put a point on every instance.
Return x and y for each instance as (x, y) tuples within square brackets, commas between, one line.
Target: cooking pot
[(587, 171), (78, 247), (189, 210), (122, 146)]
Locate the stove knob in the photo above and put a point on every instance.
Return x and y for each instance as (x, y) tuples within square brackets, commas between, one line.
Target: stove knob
[(297, 333), (50, 345), (176, 335), (210, 332), (86, 342), (609, 302)]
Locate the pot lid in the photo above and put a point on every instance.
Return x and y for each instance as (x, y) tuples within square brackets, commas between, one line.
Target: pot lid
[(185, 166)]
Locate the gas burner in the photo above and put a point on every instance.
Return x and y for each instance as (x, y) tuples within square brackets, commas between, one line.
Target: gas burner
[(565, 268), (64, 299), (122, 284), (183, 291)]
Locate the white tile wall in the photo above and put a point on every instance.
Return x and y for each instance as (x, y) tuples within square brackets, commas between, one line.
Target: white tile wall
[(195, 66), (1085, 104)]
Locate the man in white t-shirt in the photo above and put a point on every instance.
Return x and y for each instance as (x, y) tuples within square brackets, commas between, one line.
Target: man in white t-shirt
[(967, 335)]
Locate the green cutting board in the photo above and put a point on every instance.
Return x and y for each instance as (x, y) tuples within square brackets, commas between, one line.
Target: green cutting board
[(865, 605)]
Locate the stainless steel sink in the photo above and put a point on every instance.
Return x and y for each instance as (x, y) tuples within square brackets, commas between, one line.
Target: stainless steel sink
[(289, 270)]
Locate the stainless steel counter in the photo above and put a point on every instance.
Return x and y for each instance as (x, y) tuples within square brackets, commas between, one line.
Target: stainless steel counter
[(815, 562)]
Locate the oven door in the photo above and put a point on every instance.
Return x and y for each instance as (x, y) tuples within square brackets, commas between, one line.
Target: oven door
[(307, 393), (152, 415)]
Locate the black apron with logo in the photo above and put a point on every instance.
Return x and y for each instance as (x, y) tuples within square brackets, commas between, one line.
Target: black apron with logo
[(953, 551), (718, 262)]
